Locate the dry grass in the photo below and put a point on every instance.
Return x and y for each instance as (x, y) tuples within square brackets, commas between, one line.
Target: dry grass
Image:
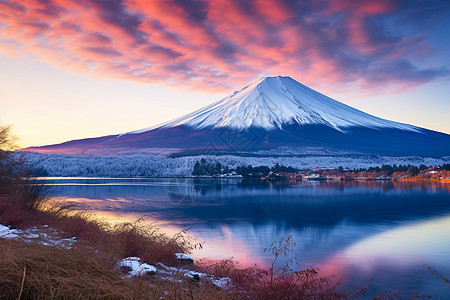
[(33, 271), (39, 272), (191, 289)]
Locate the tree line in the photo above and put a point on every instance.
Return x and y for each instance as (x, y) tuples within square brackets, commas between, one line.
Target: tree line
[(391, 169), (203, 168)]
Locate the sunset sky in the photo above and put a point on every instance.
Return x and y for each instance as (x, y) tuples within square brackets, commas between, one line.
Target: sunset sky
[(86, 68)]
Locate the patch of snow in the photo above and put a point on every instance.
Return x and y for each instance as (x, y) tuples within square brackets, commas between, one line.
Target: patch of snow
[(31, 236), (8, 233), (45, 236), (168, 273), (132, 258), (222, 283), (183, 256), (135, 267), (195, 275), (69, 239)]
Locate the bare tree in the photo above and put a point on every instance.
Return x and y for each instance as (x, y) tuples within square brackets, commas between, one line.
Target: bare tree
[(7, 140), (9, 165)]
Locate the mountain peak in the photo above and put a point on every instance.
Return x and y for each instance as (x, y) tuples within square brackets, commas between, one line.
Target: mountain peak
[(278, 77), (276, 102), (268, 80)]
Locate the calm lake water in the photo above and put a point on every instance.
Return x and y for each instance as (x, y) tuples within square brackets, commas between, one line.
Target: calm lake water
[(383, 232)]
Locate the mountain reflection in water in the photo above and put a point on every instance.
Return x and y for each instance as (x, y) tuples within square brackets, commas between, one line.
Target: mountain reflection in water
[(358, 230)]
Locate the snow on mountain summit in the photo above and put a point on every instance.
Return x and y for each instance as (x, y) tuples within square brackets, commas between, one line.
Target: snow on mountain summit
[(274, 102)]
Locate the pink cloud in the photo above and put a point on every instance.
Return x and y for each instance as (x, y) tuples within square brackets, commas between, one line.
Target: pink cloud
[(274, 12), (218, 44)]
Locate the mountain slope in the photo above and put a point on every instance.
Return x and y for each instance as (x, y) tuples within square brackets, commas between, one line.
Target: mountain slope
[(270, 113), (273, 102)]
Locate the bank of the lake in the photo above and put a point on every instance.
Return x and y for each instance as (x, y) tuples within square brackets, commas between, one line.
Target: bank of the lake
[(385, 232), (80, 256)]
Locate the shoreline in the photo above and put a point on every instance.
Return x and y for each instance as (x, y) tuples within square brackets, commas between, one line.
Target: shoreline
[(446, 180)]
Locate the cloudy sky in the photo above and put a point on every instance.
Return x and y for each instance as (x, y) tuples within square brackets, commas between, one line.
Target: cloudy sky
[(85, 68)]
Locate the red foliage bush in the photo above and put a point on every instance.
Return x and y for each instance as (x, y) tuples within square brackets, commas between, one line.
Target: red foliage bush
[(256, 283)]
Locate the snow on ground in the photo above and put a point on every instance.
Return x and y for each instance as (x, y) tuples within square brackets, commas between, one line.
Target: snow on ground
[(184, 256), (8, 233), (223, 283), (42, 235), (134, 267)]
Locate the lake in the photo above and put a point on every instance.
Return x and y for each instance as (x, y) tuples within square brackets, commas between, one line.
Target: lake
[(391, 234)]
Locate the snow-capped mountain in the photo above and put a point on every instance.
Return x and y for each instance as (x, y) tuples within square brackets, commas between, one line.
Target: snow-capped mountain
[(270, 113), (274, 102)]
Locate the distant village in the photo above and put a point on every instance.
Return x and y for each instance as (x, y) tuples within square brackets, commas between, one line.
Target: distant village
[(278, 172)]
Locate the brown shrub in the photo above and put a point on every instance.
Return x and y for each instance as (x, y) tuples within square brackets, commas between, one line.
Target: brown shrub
[(149, 242), (16, 216)]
